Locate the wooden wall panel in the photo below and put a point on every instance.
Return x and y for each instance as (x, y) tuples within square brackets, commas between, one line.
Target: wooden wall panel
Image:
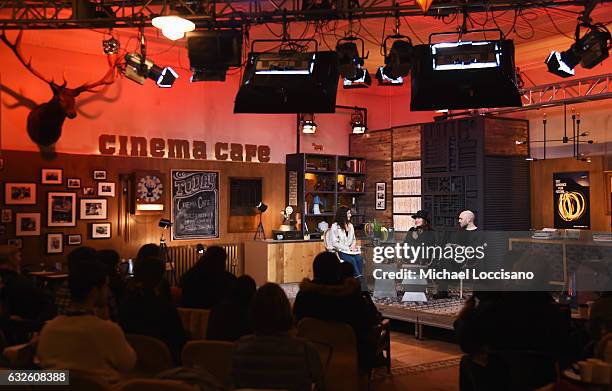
[(142, 229), (542, 211), (407, 142), (501, 135), (371, 145)]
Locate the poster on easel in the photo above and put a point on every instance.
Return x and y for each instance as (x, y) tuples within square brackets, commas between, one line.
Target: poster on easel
[(195, 204), (571, 201)]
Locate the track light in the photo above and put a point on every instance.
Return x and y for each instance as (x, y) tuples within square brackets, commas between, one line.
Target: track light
[(363, 80), (138, 69), (385, 80), (308, 124)]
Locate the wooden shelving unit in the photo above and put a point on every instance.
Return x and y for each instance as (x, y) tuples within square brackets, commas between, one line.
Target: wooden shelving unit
[(336, 180)]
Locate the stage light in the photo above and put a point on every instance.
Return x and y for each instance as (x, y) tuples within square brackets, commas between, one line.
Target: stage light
[(138, 70), (397, 62), (348, 60), (358, 122), (562, 64), (110, 46), (385, 80), (165, 223), (173, 27), (363, 80), (466, 55), (308, 124), (200, 248)]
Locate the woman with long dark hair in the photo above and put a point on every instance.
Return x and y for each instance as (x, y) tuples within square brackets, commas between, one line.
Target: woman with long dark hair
[(344, 242)]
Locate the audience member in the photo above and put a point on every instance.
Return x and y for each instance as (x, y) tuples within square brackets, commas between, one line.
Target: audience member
[(328, 298), (144, 310), (62, 294), (493, 325), (110, 259), (229, 320), (152, 250), (81, 341), (271, 358), (207, 282)]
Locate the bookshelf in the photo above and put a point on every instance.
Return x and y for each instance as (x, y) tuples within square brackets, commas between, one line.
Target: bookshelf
[(332, 179), (406, 193)]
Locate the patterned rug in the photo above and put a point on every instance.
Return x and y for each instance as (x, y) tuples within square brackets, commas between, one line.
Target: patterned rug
[(401, 368)]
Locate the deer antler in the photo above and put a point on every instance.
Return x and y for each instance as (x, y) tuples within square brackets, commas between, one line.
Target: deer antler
[(16, 48), (108, 78)]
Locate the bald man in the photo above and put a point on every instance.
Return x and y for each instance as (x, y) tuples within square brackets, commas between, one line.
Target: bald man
[(466, 220)]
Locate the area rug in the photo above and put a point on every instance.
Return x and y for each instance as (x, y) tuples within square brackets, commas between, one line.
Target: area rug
[(421, 379), (399, 368)]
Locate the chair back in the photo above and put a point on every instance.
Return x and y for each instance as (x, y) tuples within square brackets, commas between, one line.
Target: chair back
[(213, 356), (195, 321), (337, 349), (328, 240), (152, 354), (156, 385), (603, 350)]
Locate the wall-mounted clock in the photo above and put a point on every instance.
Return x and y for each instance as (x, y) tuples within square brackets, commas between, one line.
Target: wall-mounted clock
[(149, 192)]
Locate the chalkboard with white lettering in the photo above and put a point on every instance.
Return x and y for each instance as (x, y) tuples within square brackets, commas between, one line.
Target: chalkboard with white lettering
[(195, 204)]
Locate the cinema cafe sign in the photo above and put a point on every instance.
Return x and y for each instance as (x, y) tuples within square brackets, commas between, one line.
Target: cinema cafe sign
[(110, 144)]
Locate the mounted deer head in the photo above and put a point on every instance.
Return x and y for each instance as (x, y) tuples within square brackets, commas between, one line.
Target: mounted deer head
[(45, 121)]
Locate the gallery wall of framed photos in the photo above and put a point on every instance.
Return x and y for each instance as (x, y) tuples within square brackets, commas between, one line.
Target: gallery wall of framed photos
[(48, 207)]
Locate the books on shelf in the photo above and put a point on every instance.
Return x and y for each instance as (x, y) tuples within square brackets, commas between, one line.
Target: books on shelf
[(411, 168), (407, 186), (354, 165)]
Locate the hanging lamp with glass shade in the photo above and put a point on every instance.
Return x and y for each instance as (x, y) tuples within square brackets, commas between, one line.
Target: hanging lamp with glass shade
[(173, 27)]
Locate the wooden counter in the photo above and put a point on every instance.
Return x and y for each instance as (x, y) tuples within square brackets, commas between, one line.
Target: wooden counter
[(280, 261)]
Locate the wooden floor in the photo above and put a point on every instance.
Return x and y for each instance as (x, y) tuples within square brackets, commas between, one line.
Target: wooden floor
[(405, 348)]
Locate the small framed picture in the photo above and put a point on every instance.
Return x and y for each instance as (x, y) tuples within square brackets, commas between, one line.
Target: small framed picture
[(106, 189), (55, 243), (100, 230), (381, 196), (380, 187), (27, 224), (73, 183), (51, 176), (20, 193), (74, 240), (99, 175), (89, 191), (15, 242), (7, 216), (61, 209), (93, 209), (380, 204)]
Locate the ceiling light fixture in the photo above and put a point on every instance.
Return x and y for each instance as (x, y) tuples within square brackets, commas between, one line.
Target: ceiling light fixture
[(350, 63), (173, 27), (424, 4)]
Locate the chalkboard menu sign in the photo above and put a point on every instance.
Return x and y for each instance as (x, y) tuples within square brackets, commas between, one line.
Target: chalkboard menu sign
[(195, 204)]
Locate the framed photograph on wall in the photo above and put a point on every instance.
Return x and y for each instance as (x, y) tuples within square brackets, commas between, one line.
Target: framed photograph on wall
[(106, 189), (380, 199), (55, 243), (93, 209), (20, 193), (51, 176), (27, 224), (89, 191), (100, 230), (15, 242), (74, 240), (61, 209), (7, 216), (73, 183), (99, 175)]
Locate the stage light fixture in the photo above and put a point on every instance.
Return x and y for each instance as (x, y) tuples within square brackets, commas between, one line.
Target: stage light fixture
[(110, 46), (384, 80), (466, 55), (348, 59), (397, 62), (308, 124), (207, 74), (358, 122), (562, 64), (173, 27), (165, 223), (138, 70), (363, 80)]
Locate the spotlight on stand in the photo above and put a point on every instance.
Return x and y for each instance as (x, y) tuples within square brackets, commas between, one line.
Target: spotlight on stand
[(260, 233), (308, 124), (358, 123), (397, 62), (165, 223), (138, 69), (200, 248), (589, 51), (350, 63)]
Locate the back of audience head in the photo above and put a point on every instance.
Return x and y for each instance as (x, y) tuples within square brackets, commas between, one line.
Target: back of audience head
[(79, 254), (242, 290), (270, 311), (213, 260), (110, 258), (10, 257), (326, 268), (149, 250), (347, 270), (87, 277), (149, 272)]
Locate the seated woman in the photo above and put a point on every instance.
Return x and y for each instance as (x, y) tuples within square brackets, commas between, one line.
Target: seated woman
[(272, 358), (344, 242)]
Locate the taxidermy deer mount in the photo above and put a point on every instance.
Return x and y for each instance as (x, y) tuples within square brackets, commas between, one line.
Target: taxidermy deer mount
[(45, 121)]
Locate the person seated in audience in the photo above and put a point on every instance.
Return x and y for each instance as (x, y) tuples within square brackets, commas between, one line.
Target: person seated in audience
[(152, 250), (600, 316), (20, 299), (144, 310), (328, 298), (110, 259), (272, 358), (207, 282), (493, 326), (81, 341), (62, 294), (229, 320)]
